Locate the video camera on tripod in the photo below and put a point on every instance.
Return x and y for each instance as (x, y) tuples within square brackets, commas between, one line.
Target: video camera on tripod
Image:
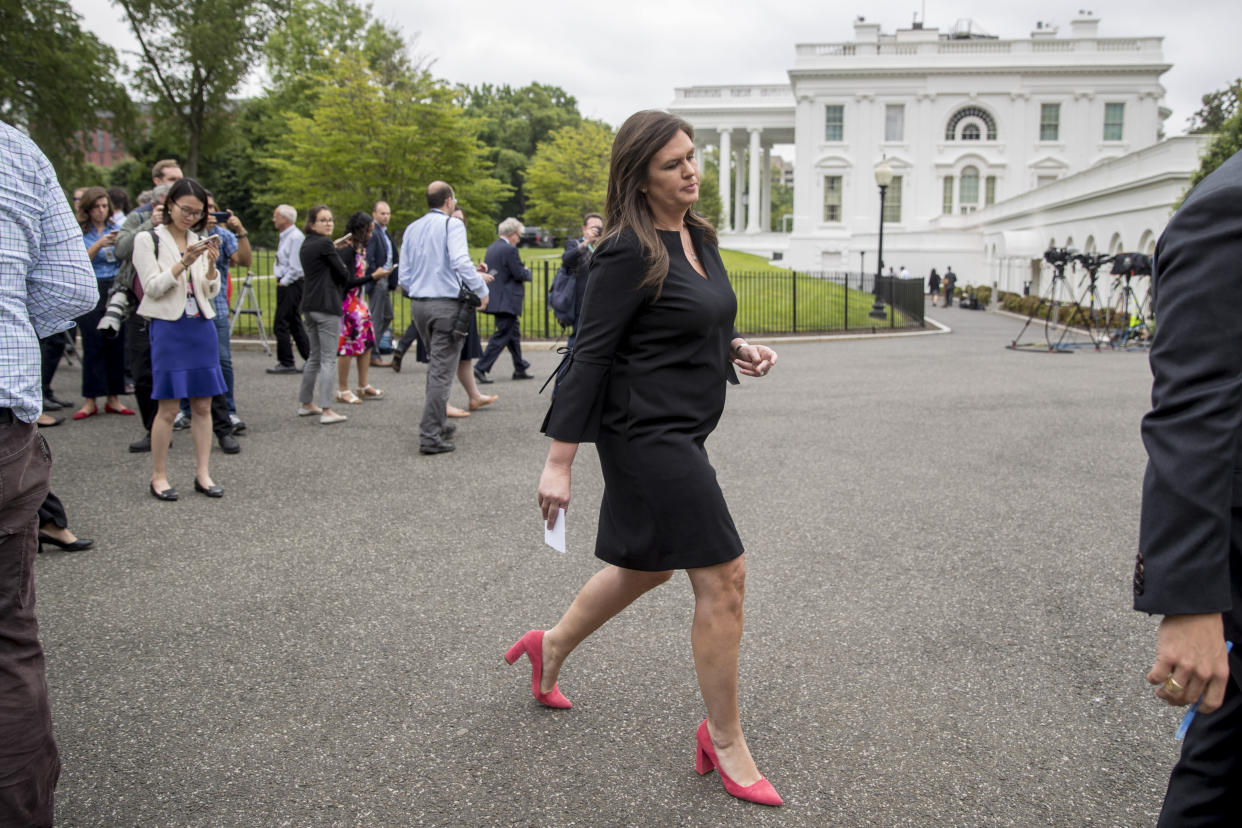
[(1059, 257)]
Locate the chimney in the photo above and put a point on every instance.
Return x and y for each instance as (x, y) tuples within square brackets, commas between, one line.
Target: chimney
[(865, 32), (1043, 31), (1086, 24)]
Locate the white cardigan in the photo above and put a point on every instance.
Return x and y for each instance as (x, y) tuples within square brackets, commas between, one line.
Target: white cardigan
[(163, 293)]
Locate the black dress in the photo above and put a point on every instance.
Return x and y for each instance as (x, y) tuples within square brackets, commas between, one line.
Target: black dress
[(646, 383)]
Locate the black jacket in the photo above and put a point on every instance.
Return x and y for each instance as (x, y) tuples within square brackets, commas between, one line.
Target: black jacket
[(1190, 532), (327, 276), (376, 255), (507, 291)]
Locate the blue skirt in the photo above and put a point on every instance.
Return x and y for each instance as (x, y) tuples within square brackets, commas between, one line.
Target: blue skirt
[(185, 359)]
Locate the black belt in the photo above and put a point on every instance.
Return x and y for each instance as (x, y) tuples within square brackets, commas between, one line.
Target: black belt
[(7, 416), (433, 298)]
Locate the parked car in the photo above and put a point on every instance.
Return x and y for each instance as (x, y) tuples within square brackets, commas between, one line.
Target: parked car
[(535, 237)]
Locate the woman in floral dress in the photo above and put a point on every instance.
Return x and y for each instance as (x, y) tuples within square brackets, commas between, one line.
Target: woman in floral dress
[(357, 335)]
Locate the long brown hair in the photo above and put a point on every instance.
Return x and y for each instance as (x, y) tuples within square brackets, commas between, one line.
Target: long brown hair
[(89, 196), (641, 136)]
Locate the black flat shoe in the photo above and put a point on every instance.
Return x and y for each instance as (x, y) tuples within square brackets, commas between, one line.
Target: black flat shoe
[(77, 546), (168, 494), (518, 375), (51, 405), (482, 378), (55, 422), (214, 490)]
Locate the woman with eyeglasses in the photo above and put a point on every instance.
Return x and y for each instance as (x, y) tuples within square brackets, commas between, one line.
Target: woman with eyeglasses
[(176, 267), (103, 358), (325, 281)]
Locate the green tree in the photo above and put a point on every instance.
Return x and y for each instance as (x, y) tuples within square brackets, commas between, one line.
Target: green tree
[(1218, 107), (304, 46), (709, 206), (568, 176), (1222, 115), (1227, 142), (513, 123), (194, 56), (366, 140), (57, 81)]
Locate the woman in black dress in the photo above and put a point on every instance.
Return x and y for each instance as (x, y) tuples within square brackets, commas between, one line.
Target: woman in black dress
[(646, 381)]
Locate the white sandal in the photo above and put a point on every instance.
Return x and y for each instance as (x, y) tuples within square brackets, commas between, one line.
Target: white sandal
[(346, 396), (368, 392)]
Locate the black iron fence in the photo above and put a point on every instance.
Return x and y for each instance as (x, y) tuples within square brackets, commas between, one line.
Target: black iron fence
[(769, 302)]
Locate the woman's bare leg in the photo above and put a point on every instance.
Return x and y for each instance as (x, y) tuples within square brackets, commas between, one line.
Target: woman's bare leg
[(364, 368), (161, 434), (716, 636), (200, 433), (342, 373), (609, 591)]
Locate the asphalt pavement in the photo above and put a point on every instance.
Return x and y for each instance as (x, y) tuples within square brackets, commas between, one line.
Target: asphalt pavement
[(940, 537)]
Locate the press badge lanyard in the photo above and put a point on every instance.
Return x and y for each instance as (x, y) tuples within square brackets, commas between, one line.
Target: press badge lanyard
[(191, 306)]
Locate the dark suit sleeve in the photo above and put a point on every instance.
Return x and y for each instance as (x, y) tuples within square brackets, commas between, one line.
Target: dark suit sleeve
[(573, 252), (517, 270), (612, 299), (1192, 431)]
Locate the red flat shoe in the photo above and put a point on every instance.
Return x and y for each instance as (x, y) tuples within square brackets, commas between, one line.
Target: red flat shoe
[(122, 410), (532, 645), (82, 415), (761, 792)]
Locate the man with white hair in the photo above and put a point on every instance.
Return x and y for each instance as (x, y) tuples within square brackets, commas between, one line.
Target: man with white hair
[(508, 290), (288, 273)]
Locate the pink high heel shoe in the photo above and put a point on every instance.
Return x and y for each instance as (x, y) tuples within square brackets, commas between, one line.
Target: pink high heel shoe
[(705, 759), (532, 645)]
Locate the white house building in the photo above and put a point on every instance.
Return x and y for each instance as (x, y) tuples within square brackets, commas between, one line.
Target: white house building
[(998, 147)]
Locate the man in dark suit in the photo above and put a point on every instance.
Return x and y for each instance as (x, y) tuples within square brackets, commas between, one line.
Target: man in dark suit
[(577, 260), (381, 254), (507, 291), (1189, 566)]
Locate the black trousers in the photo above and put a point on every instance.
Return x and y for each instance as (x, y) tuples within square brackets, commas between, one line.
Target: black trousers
[(288, 323), (1205, 787), (103, 358), (51, 350), (508, 334), (409, 337), (29, 762), (138, 349)]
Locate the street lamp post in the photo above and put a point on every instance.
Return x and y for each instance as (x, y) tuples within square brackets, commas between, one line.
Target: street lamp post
[(883, 177)]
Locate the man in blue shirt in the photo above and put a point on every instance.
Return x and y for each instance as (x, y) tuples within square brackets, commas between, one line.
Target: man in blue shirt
[(45, 282), (434, 266)]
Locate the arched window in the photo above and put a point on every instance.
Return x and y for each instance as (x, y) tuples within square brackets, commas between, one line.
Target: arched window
[(975, 113), (1114, 244), (970, 132), (968, 190), (1089, 247)]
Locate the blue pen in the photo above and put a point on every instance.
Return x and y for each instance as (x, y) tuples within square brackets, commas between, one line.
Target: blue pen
[(1190, 714)]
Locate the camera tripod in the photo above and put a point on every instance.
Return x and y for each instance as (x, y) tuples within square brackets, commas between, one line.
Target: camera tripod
[(1060, 293), (1132, 329)]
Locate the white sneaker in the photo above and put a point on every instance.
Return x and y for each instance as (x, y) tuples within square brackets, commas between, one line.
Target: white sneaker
[(327, 419), (308, 412)]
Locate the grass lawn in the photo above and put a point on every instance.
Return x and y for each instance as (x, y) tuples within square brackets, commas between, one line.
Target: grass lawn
[(765, 293)]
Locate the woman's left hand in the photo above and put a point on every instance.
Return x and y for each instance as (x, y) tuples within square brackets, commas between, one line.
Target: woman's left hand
[(213, 253), (754, 360)]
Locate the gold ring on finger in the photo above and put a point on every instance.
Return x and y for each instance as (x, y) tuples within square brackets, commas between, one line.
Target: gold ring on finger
[(1171, 685)]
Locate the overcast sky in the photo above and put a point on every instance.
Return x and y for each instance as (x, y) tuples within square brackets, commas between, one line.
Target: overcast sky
[(619, 57)]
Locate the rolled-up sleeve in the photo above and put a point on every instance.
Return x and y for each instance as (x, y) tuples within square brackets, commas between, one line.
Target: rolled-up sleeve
[(613, 297), (62, 286)]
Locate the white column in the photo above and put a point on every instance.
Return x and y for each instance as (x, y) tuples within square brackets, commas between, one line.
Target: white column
[(806, 136), (753, 206), (739, 189), (724, 159), (765, 191)]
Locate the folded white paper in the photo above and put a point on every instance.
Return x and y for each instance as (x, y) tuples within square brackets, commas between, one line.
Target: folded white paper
[(555, 537)]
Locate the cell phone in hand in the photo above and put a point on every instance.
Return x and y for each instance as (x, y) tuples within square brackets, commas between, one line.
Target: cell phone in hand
[(220, 215)]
